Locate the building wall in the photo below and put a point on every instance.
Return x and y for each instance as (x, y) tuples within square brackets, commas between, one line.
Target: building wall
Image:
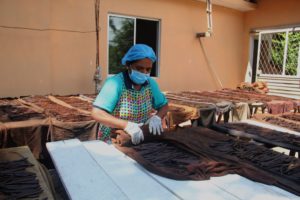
[(269, 14), (185, 64), (51, 58), (63, 62)]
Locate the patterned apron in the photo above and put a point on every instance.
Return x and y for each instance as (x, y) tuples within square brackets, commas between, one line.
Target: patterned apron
[(133, 105)]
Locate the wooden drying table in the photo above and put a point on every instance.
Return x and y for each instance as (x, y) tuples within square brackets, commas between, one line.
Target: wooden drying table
[(203, 114), (269, 136), (277, 128), (207, 106), (97, 170)]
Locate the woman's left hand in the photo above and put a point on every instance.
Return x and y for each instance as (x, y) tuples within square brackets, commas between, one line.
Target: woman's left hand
[(155, 125)]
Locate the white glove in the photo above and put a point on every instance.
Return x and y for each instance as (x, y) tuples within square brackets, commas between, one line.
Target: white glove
[(136, 133), (155, 126)]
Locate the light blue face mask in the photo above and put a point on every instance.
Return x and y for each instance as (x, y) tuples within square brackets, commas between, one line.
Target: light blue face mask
[(138, 77)]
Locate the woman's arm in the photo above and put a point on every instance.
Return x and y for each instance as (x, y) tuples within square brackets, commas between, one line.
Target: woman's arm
[(133, 129), (107, 119), (162, 112)]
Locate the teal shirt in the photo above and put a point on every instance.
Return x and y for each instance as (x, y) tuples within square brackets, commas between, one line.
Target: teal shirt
[(111, 91)]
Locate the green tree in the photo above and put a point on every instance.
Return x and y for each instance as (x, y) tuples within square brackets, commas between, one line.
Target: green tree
[(277, 53), (292, 54), (122, 40)]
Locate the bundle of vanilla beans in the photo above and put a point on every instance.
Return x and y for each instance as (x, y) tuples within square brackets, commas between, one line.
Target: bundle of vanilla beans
[(16, 182), (197, 153)]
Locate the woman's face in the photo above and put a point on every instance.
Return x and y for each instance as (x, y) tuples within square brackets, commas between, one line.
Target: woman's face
[(143, 66)]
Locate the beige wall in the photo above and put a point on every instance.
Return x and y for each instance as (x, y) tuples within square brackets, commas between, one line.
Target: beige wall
[(46, 61), (183, 65), (62, 62), (270, 14)]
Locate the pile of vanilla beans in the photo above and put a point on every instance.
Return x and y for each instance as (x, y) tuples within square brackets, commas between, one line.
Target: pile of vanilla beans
[(16, 182)]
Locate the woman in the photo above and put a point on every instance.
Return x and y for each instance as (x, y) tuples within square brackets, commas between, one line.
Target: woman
[(126, 100)]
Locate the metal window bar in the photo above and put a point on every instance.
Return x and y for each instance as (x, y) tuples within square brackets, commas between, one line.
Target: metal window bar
[(279, 53), (298, 68), (285, 51)]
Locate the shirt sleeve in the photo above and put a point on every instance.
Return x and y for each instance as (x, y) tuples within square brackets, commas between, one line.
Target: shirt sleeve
[(109, 94), (158, 99)]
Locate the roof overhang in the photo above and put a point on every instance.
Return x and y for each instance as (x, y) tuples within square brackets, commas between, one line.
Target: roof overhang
[(241, 5)]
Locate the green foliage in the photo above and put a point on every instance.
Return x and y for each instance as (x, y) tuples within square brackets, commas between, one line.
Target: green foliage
[(122, 40), (293, 51), (278, 42), (277, 53)]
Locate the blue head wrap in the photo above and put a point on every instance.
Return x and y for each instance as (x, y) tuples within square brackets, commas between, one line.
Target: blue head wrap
[(138, 52)]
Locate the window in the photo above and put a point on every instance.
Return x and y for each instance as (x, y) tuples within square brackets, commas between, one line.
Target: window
[(126, 31), (278, 52)]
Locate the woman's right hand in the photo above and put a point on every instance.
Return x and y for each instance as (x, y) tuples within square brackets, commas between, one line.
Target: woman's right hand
[(136, 133)]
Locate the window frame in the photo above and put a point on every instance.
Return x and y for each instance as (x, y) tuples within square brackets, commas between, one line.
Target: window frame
[(134, 38), (279, 30)]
